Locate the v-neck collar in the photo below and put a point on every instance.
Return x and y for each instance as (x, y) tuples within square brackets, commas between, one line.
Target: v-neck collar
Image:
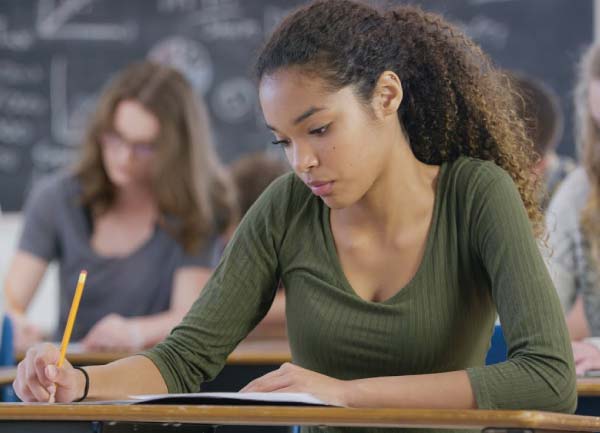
[(425, 259)]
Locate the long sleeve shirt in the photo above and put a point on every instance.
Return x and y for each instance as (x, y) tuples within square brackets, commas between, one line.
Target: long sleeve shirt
[(480, 259)]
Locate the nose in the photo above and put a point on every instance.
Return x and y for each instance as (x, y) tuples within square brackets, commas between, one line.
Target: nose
[(304, 157), (125, 154)]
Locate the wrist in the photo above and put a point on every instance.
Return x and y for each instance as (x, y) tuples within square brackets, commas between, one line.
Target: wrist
[(83, 384)]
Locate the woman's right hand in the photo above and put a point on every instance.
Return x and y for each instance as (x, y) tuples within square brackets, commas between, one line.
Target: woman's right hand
[(38, 377)]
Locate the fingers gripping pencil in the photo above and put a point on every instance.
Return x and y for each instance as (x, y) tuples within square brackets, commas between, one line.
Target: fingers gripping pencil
[(70, 323)]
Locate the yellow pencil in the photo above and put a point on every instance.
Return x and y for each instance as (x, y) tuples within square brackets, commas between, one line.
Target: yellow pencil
[(71, 319)]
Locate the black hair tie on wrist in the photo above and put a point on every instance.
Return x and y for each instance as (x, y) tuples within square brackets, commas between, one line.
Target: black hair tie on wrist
[(87, 384)]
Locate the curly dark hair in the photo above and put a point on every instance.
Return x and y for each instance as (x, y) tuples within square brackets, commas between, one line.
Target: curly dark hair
[(455, 102)]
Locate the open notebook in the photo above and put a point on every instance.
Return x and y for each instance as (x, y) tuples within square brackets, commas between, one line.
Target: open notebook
[(223, 398), (232, 398)]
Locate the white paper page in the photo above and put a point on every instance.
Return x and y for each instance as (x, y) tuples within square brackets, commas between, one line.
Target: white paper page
[(287, 397)]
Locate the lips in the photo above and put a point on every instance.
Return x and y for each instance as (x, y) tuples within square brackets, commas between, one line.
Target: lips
[(321, 188)]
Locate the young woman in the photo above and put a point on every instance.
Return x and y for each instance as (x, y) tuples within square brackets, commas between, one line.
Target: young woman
[(409, 221), (573, 223), (139, 212)]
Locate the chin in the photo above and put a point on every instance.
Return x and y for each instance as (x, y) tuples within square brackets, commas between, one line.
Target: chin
[(120, 180), (333, 203)]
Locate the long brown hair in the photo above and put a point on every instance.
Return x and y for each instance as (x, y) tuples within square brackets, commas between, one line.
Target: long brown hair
[(455, 102), (587, 133), (194, 195)]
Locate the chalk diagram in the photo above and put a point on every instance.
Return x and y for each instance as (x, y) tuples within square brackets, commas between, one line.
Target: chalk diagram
[(55, 20), (233, 99), (188, 56)]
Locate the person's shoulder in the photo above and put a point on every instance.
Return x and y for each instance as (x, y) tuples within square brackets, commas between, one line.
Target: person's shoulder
[(575, 183), (469, 173), (287, 188), (56, 187), (571, 194)]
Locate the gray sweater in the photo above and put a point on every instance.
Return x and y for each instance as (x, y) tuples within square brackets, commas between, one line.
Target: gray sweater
[(58, 227), (569, 258)]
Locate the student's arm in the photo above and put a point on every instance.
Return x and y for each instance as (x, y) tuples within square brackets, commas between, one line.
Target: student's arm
[(539, 373), (450, 390), (118, 333), (235, 299), (24, 275), (564, 238), (38, 377), (38, 245), (22, 280)]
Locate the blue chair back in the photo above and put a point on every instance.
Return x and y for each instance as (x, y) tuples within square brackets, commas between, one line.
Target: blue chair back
[(497, 351), (7, 357)]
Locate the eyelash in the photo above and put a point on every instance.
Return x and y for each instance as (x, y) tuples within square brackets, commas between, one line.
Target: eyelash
[(318, 132), (280, 142), (321, 131)]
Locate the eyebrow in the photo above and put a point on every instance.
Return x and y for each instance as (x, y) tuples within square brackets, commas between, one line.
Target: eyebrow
[(303, 116)]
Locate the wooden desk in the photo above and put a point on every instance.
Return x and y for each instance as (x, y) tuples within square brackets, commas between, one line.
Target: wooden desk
[(249, 352), (588, 387), (286, 415)]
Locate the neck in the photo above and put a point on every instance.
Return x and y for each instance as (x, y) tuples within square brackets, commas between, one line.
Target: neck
[(403, 194), (135, 198)]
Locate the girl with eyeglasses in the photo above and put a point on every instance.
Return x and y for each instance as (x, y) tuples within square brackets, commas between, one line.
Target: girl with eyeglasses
[(140, 211)]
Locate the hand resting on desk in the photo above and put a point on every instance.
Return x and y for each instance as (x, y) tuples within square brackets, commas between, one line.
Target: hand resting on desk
[(38, 376), (292, 378), (586, 356), (114, 332)]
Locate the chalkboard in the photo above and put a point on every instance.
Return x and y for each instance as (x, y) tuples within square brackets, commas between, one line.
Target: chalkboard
[(55, 56)]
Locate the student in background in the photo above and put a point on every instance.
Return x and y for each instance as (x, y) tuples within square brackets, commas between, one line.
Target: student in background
[(140, 212), (539, 107), (408, 222), (573, 222), (251, 175)]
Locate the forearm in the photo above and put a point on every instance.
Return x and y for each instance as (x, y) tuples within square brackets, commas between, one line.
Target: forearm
[(154, 328), (22, 279), (122, 378), (451, 390)]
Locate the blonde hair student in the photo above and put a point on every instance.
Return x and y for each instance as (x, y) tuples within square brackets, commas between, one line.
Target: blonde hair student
[(140, 211), (408, 223), (573, 222)]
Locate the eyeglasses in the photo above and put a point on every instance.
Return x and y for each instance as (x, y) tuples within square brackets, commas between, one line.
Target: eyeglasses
[(113, 141)]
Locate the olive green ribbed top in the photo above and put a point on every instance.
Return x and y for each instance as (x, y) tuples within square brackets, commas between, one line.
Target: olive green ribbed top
[(480, 257)]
